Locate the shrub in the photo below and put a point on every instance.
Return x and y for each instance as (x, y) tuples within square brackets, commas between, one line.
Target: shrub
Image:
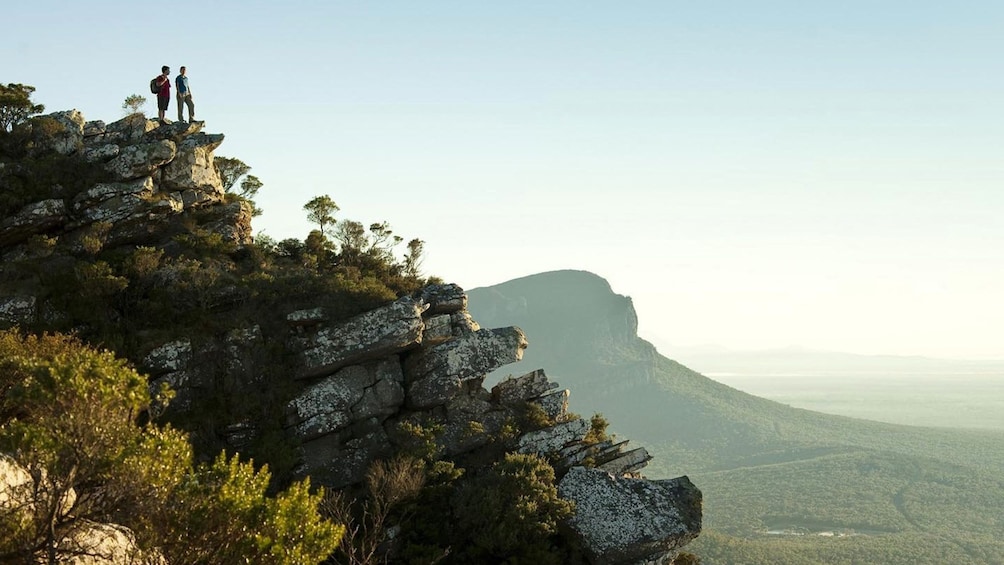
[(70, 414)]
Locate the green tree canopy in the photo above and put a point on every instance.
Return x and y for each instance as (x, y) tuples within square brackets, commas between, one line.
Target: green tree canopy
[(230, 170), (16, 105), (321, 211)]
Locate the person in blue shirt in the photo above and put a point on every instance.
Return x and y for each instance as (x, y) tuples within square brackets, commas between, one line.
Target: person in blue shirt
[(184, 95)]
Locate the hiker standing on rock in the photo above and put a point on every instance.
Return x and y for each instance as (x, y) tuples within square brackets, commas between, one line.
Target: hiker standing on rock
[(184, 95), (164, 94)]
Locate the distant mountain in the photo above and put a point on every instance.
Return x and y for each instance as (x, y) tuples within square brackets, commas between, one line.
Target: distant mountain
[(763, 466)]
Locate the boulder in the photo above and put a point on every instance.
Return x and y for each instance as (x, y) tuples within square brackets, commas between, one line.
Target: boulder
[(191, 171), (233, 222), (627, 521), (353, 394), (443, 298), (554, 404), (103, 152), (94, 128), (69, 135)]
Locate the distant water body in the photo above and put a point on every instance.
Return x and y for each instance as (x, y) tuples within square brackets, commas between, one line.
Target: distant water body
[(973, 400)]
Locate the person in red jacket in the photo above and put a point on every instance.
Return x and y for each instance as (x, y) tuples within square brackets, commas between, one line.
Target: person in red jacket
[(164, 96)]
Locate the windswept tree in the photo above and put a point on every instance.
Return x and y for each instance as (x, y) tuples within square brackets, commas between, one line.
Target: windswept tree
[(133, 103), (414, 257), (230, 170), (321, 211), (16, 105)]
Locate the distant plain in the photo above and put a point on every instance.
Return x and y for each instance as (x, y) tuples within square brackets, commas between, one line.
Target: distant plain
[(952, 401)]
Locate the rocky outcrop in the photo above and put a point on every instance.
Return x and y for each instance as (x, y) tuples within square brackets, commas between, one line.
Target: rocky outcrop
[(154, 179)]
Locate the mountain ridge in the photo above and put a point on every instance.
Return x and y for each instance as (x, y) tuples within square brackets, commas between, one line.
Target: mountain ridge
[(760, 462)]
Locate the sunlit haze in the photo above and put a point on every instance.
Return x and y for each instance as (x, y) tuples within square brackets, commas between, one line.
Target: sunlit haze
[(753, 174)]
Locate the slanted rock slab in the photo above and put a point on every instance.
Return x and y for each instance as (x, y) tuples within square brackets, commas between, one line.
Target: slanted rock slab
[(378, 333)]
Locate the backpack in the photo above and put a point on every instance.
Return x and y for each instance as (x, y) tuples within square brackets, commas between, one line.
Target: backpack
[(153, 85)]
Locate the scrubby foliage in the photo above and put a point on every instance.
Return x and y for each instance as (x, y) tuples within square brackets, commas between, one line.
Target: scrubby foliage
[(499, 508), (72, 417)]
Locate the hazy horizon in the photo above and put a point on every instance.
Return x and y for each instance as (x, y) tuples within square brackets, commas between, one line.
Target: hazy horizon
[(756, 175)]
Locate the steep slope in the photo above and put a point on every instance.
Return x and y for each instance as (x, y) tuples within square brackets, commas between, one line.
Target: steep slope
[(764, 465)]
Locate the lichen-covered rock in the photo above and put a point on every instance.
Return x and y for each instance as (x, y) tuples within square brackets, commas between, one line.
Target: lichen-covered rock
[(463, 324), (516, 389), (17, 310), (437, 329), (34, 218), (377, 333), (88, 542), (308, 317), (627, 521), (94, 128), (69, 135), (552, 439), (554, 404), (234, 222), (141, 160), (443, 298), (191, 170), (336, 461), (437, 374), (169, 357), (354, 393), (626, 463), (94, 543), (111, 202), (129, 129), (101, 152)]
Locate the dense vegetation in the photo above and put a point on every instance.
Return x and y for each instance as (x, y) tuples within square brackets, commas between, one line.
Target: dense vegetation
[(72, 416), (889, 494)]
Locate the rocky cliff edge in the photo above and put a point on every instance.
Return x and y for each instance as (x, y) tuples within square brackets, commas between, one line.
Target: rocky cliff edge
[(419, 360)]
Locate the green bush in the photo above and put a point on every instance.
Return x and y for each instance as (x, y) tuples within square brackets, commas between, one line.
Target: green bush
[(71, 415)]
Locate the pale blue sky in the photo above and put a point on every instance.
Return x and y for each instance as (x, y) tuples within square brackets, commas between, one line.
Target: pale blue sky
[(754, 174)]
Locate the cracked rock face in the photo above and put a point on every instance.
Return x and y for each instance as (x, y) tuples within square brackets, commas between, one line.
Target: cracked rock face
[(437, 374), (354, 393)]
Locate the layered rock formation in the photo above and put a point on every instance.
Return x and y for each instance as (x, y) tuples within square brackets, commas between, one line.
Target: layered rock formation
[(353, 383), (157, 176)]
